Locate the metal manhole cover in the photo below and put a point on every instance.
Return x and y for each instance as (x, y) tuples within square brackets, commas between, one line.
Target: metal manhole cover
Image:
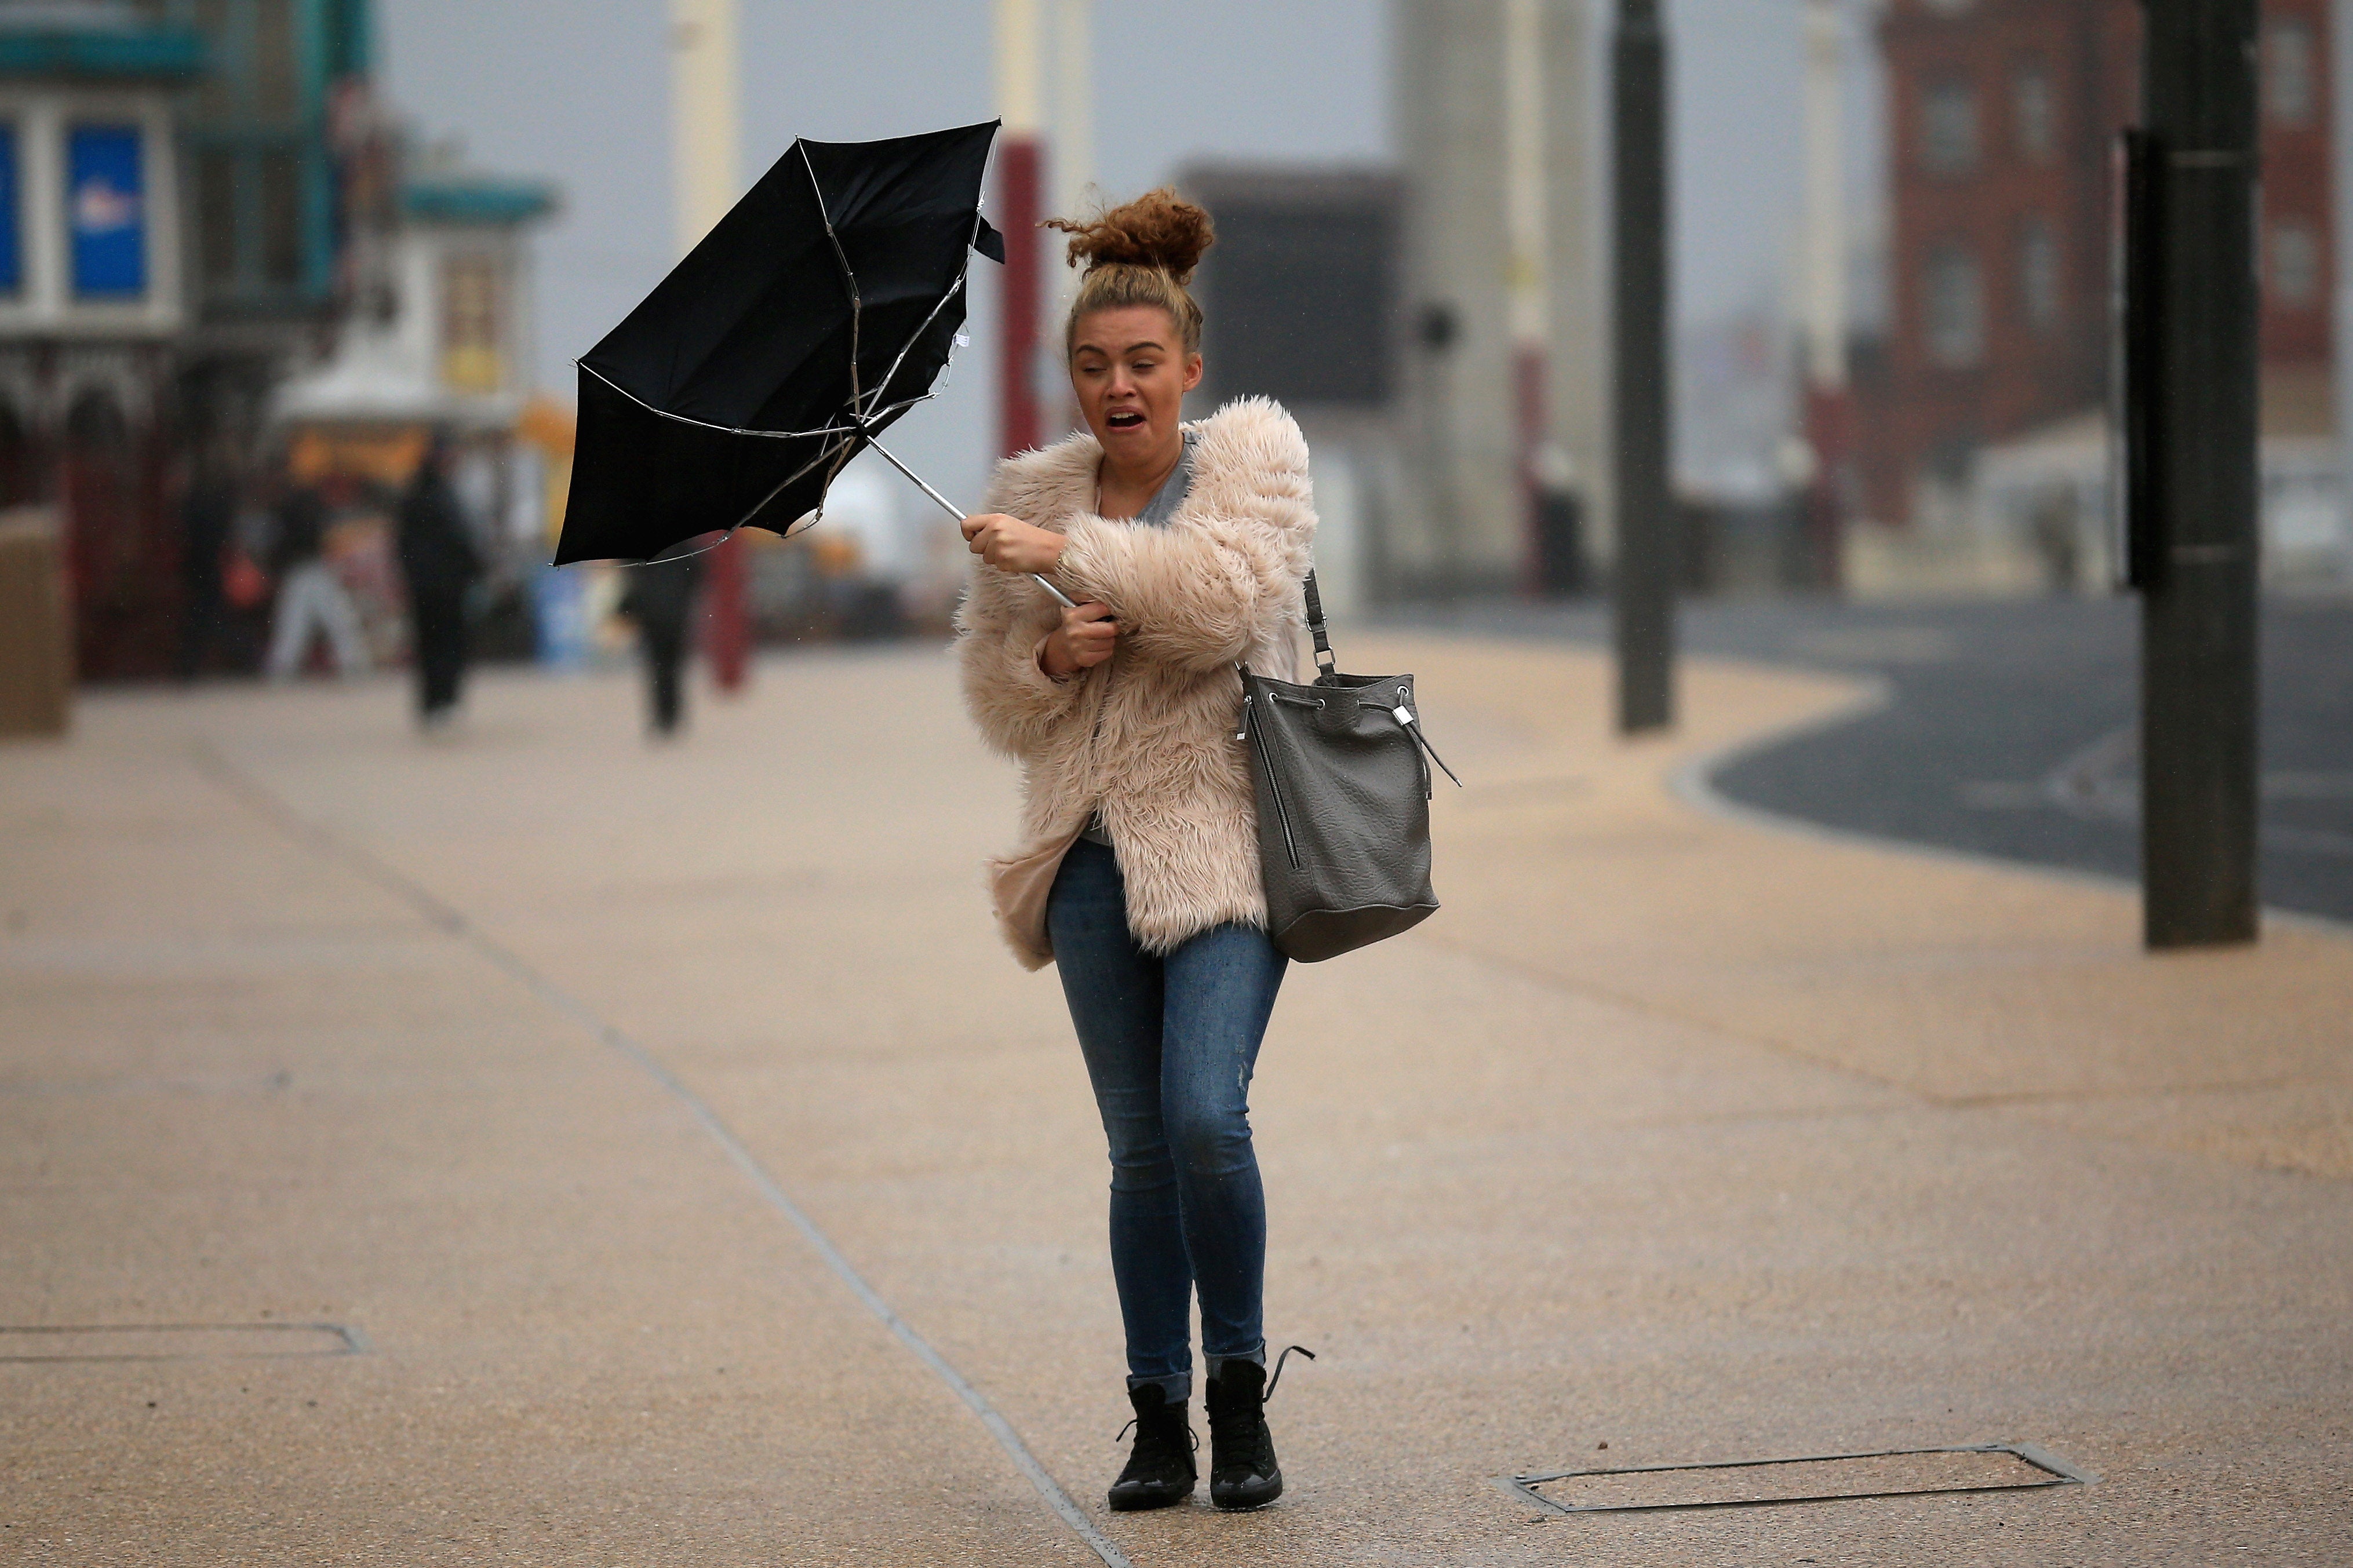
[(1816, 1478), (178, 1341)]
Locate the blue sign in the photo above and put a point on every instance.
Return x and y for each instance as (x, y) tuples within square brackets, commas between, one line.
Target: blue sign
[(12, 256), (559, 606), (106, 212)]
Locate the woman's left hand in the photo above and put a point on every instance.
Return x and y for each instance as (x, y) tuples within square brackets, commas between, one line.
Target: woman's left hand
[(1010, 544)]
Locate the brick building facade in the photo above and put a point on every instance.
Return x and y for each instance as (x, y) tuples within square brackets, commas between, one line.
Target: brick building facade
[(2001, 115)]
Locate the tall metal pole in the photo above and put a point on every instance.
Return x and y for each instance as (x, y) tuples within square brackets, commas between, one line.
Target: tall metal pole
[(1644, 577), (1075, 173), (2198, 603), (1823, 289), (707, 164), (1020, 171), (1528, 276)]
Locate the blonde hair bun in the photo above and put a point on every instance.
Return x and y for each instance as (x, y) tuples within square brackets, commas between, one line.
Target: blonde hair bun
[(1158, 229), (1140, 253)]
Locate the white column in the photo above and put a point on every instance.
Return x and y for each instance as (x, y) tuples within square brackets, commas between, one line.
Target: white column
[(1018, 98), (1073, 168), (1576, 373), (1524, 173), (705, 116), (1822, 245), (41, 152), (1074, 104)]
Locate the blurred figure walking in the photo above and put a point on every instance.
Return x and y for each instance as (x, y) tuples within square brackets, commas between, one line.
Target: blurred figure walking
[(310, 596), (661, 599), (438, 560), (208, 514)]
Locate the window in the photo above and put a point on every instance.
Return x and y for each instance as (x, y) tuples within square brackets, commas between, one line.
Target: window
[(106, 212), (2295, 265), (12, 253), (2030, 113), (216, 223), (1954, 297), (2287, 72), (470, 357), (1949, 127), (282, 221), (2038, 275), (276, 65)]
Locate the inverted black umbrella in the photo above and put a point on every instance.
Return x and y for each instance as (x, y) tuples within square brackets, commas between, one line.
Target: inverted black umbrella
[(819, 310)]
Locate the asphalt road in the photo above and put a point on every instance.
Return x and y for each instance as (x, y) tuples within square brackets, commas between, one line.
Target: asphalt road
[(2009, 729)]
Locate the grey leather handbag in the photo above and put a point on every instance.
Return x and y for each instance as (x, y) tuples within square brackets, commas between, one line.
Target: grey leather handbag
[(1343, 803)]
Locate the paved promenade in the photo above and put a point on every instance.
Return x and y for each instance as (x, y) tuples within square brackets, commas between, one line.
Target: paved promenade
[(689, 1178)]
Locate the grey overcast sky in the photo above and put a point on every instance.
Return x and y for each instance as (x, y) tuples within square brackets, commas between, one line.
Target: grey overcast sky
[(578, 91)]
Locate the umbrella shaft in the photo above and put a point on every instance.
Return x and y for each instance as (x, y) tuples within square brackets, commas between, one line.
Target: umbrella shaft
[(957, 512)]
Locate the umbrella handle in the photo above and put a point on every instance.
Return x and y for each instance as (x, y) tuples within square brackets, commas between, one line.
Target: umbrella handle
[(957, 512)]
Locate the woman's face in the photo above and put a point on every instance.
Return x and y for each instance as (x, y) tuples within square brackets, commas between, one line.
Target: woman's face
[(1131, 373)]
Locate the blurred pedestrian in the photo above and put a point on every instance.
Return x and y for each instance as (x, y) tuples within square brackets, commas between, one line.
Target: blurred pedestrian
[(310, 595), (661, 599), (2054, 524), (439, 562), (208, 517), (1186, 546)]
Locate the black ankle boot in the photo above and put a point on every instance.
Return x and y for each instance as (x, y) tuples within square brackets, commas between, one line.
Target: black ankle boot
[(1160, 1467), (1242, 1469)]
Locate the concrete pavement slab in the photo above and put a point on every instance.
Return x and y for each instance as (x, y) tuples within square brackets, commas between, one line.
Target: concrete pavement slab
[(1668, 1134)]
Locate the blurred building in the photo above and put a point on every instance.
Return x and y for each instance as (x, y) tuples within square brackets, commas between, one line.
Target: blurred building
[(436, 335), (93, 294), (195, 196), (1470, 524), (2002, 114), (1301, 295)]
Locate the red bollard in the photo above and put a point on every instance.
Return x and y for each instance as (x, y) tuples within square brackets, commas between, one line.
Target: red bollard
[(727, 615), (1018, 175)]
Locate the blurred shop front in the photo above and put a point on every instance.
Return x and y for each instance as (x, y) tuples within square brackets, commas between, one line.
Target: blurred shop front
[(439, 342), (93, 302), (218, 255)]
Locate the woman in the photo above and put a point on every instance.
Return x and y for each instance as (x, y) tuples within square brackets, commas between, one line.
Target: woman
[(438, 559), (1186, 547)]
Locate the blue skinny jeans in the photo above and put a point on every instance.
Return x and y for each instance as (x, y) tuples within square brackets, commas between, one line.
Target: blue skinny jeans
[(1170, 1043)]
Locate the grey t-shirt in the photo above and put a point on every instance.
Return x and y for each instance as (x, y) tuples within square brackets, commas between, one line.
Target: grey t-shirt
[(1173, 488), (1157, 513)]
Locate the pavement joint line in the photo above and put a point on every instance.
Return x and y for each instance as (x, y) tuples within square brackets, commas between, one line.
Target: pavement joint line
[(1692, 781), (446, 917), (350, 1341), (1998, 1100)]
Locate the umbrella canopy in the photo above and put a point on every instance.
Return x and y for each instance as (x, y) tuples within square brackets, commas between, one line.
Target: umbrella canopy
[(820, 309)]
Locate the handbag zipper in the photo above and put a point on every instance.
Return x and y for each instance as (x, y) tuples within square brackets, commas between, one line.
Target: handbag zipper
[(1274, 790)]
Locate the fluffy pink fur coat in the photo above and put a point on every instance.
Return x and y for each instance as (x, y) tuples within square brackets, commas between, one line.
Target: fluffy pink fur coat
[(1146, 738)]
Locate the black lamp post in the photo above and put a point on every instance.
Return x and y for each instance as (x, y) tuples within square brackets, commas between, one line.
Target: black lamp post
[(2191, 418), (1643, 580)]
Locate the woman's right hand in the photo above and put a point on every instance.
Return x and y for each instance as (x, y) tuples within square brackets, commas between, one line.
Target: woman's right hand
[(1086, 638)]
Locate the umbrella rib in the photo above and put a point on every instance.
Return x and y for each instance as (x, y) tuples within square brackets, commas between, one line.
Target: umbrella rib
[(845, 437), (847, 445), (921, 328), (866, 413), (849, 278), (738, 429), (857, 308)]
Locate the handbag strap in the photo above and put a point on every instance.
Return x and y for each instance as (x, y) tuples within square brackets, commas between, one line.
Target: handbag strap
[(1324, 661)]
